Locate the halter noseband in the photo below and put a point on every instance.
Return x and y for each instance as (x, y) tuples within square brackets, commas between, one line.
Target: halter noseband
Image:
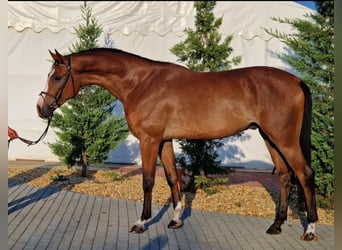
[(58, 96), (52, 105)]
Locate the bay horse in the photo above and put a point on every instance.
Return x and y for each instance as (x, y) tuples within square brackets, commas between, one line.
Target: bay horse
[(164, 101)]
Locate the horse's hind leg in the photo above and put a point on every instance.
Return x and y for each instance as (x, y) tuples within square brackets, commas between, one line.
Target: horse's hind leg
[(292, 152), (307, 180), (284, 174), (306, 177), (168, 160)]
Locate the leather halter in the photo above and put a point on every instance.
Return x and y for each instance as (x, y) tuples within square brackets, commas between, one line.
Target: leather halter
[(52, 105), (58, 96)]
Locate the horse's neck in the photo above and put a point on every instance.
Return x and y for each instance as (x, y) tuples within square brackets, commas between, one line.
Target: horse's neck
[(110, 71)]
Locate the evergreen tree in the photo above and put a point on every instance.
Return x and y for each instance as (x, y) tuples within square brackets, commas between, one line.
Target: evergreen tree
[(312, 57), (202, 50), (87, 130)]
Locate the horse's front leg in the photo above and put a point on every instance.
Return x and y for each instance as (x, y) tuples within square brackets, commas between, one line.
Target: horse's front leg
[(149, 152), (168, 160)]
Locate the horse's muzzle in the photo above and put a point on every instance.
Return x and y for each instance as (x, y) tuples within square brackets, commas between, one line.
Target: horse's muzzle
[(44, 110)]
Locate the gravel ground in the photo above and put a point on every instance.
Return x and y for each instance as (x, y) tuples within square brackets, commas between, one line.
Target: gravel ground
[(234, 199)]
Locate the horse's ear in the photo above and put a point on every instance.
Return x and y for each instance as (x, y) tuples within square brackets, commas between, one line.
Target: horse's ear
[(60, 57), (57, 57), (54, 56), (58, 54)]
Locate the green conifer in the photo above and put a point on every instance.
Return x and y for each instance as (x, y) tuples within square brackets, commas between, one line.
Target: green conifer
[(87, 130), (203, 50)]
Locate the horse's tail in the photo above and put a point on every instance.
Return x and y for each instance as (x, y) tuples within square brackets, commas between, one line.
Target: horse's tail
[(305, 134)]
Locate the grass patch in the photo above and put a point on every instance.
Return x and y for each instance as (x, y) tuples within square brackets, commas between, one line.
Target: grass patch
[(56, 175), (209, 185), (115, 176)]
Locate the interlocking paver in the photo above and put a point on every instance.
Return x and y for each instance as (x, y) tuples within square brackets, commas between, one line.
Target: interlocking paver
[(47, 218)]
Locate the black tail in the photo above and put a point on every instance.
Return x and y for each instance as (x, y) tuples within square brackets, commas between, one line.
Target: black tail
[(305, 134)]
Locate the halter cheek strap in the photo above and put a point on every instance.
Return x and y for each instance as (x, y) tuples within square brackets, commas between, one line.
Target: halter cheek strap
[(52, 105), (57, 97)]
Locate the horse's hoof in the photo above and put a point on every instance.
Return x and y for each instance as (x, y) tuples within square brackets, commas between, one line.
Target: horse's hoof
[(273, 230), (138, 229), (309, 237), (174, 224)]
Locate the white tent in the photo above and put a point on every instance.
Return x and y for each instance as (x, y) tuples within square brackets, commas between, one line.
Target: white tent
[(148, 29)]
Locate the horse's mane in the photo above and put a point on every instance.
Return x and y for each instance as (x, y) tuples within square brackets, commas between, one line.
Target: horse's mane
[(117, 51)]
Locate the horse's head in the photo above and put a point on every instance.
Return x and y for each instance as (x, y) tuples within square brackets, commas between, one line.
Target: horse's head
[(59, 88)]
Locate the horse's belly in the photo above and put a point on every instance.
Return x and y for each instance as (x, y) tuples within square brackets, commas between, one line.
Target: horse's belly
[(205, 129)]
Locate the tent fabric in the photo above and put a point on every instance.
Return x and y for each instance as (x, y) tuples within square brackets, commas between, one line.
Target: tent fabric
[(148, 29), (142, 17), (145, 17)]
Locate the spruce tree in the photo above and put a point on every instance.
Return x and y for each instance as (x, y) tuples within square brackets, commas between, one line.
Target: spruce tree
[(202, 51), (312, 57), (86, 128)]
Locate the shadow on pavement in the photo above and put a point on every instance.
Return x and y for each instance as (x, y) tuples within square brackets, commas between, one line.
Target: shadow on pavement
[(43, 192)]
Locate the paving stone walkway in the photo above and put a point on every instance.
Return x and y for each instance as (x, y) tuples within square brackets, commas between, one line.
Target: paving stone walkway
[(47, 218)]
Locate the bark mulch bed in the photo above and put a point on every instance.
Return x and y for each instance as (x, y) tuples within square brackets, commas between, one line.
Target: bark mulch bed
[(230, 198)]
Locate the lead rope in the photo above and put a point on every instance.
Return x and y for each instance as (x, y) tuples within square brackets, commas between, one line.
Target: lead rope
[(29, 142)]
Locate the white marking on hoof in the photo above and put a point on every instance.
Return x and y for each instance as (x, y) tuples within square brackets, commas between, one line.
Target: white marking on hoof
[(140, 223), (138, 227), (177, 211), (309, 234), (311, 228)]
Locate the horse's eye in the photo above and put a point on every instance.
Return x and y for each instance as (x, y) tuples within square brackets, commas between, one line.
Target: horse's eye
[(57, 78)]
